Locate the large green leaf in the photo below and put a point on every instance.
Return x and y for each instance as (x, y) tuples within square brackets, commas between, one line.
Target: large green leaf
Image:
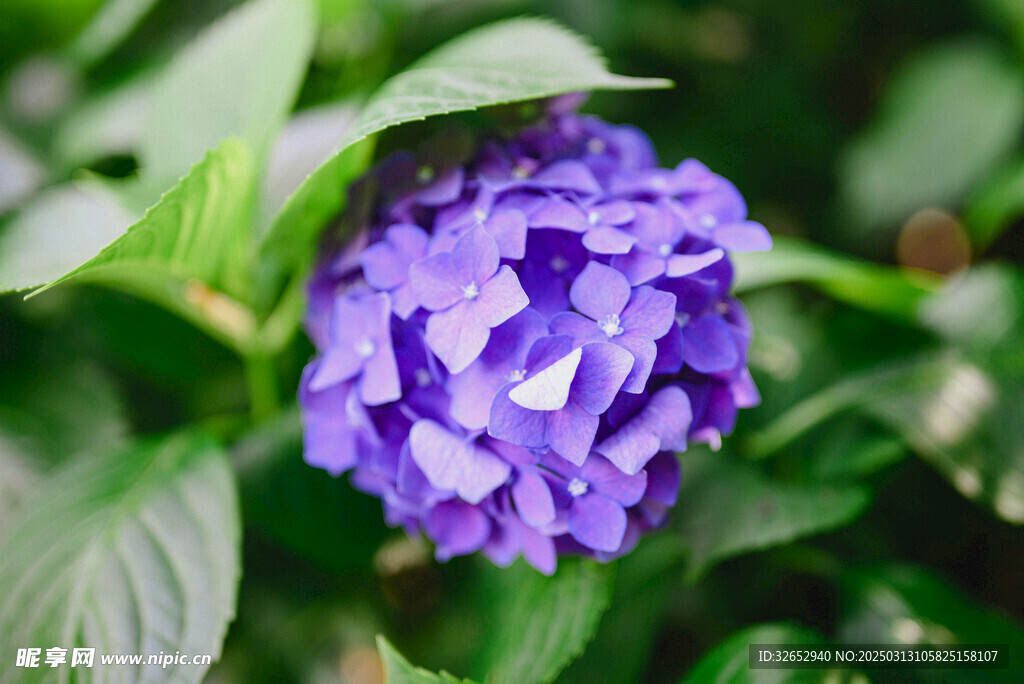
[(729, 660), (137, 551), (947, 118), (644, 580), (398, 670), (542, 623), (517, 59), (904, 604), (995, 206), (238, 79), (111, 24), (727, 508), (873, 287), (195, 238)]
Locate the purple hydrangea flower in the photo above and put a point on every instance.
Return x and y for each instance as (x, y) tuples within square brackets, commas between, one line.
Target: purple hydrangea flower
[(512, 350)]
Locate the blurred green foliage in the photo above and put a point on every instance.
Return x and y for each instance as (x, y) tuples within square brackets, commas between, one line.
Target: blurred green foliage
[(877, 494)]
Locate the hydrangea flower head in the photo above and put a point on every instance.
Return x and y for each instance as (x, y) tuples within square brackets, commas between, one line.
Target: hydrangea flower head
[(512, 349)]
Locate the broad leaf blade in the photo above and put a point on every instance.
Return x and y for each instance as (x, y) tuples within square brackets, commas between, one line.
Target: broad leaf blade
[(398, 670), (727, 508), (514, 60), (237, 79), (543, 623), (133, 552)]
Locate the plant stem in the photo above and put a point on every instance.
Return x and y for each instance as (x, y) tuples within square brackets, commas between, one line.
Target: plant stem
[(261, 378)]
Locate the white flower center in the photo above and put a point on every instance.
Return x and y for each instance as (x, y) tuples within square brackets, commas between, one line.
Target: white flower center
[(610, 325), (479, 215), (577, 487), (519, 173), (665, 250), (593, 218), (365, 348), (708, 221), (470, 291), (559, 263), (517, 375), (658, 183), (425, 173), (423, 377), (595, 146)]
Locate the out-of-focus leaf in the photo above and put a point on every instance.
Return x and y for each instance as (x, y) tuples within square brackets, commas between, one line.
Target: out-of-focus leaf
[(19, 473), (543, 623), (193, 239), (880, 289), (114, 21), (644, 580), (238, 79), (996, 205), (845, 452), (136, 551), (57, 231), (107, 124), (946, 120), (304, 508), (727, 508), (513, 60), (728, 662), (908, 605), (20, 174), (398, 670)]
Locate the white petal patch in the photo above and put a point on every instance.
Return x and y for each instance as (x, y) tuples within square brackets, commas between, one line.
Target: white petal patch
[(548, 390)]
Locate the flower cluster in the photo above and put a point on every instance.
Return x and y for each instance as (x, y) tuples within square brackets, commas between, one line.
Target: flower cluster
[(512, 348)]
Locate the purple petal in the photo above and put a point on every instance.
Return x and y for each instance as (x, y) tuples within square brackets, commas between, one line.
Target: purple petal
[(546, 350), (511, 340), (512, 423), (744, 391), (678, 265), (643, 350), (386, 263), (608, 240), (472, 392), (662, 424), (615, 213), (561, 214), (571, 432), (597, 522), (650, 312), (663, 478), (608, 481), (580, 328), (639, 266), (670, 351), (475, 256), (456, 336), (709, 346), (603, 369), (508, 229), (743, 236), (445, 189), (500, 298), (599, 291), (656, 225), (380, 383), (568, 175), (539, 551), (548, 390), (436, 282), (450, 462), (338, 364), (457, 528), (533, 498)]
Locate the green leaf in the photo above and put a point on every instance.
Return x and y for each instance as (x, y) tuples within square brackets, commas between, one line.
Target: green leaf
[(510, 61), (398, 670), (729, 660), (644, 581), (996, 205), (543, 623), (894, 603), (22, 173), (137, 551), (946, 120), (880, 289), (114, 21), (727, 508), (193, 239), (238, 79)]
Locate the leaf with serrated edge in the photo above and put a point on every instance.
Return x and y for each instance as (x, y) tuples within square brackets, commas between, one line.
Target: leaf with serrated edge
[(398, 670), (137, 551), (510, 61)]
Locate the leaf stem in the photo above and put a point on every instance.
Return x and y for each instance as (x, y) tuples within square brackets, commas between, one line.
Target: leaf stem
[(261, 378)]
